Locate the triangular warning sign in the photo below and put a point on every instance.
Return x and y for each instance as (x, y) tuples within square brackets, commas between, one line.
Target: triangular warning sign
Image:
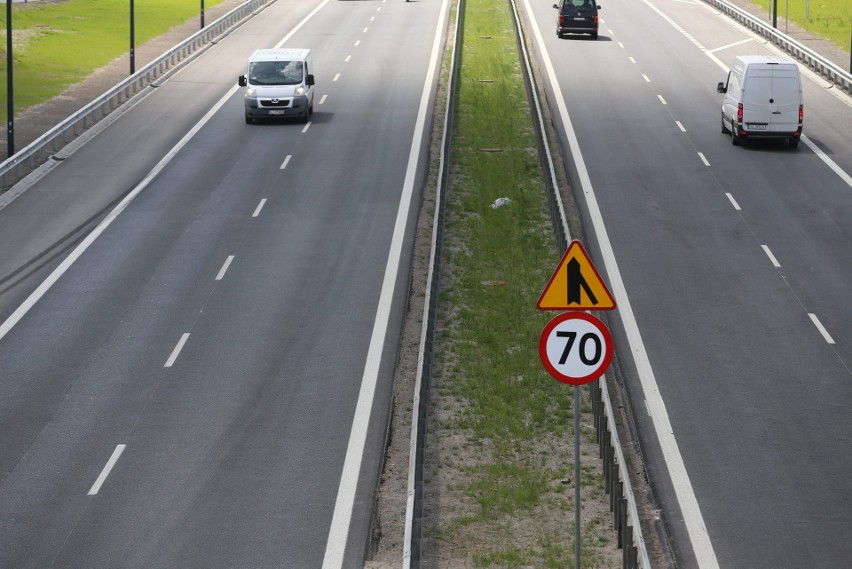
[(576, 284)]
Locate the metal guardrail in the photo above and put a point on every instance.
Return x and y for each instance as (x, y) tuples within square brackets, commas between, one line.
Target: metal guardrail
[(47, 145), (817, 63)]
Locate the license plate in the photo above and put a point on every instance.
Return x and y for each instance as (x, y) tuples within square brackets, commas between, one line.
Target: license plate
[(277, 112), (756, 126), (580, 19)]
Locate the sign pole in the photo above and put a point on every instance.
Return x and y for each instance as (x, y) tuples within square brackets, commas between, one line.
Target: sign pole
[(577, 476)]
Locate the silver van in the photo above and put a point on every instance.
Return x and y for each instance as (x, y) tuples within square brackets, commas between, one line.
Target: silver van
[(280, 84), (763, 99)]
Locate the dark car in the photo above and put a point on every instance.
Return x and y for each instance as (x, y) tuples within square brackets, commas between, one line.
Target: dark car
[(577, 17)]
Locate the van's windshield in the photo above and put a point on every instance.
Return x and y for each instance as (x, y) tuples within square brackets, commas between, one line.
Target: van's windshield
[(276, 72)]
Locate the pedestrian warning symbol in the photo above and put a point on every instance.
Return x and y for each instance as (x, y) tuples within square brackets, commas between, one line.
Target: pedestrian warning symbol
[(576, 284)]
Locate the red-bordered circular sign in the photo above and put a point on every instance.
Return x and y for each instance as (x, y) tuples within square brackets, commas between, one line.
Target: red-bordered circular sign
[(575, 348)]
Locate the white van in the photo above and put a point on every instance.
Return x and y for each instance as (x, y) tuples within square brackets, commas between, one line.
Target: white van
[(763, 99), (280, 84)]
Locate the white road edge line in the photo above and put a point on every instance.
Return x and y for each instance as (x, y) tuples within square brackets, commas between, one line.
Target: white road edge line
[(821, 328), (259, 207), (96, 487), (176, 351), (733, 202), (224, 268), (772, 258), (691, 511), (339, 530)]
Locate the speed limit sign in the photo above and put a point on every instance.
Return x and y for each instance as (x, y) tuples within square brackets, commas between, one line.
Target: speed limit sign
[(575, 348)]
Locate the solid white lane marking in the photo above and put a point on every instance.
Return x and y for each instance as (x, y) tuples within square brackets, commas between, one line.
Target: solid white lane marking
[(176, 351), (322, 99), (680, 126), (703, 159), (224, 268), (107, 469), (259, 207), (729, 45), (733, 202), (647, 79), (673, 460), (663, 101), (339, 530), (336, 77), (286, 161), (821, 328), (772, 258)]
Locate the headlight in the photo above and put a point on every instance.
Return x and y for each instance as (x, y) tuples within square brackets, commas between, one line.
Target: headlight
[(251, 92), (300, 90)]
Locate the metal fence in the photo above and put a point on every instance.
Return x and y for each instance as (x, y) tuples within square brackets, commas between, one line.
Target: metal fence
[(47, 145), (828, 70)]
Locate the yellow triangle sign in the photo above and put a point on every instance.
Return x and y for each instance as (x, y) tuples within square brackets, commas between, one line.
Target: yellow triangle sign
[(576, 284)]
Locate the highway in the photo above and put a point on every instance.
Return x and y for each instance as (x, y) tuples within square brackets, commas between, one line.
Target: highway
[(731, 269), (200, 316)]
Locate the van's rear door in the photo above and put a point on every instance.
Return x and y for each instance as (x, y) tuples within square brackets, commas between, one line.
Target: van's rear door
[(757, 92), (784, 108)]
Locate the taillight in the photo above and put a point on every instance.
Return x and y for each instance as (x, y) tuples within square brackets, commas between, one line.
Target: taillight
[(801, 114), (740, 113), (561, 19), (596, 19)]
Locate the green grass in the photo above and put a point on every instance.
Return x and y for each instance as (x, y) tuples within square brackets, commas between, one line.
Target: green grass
[(831, 19), (57, 45), (510, 411)]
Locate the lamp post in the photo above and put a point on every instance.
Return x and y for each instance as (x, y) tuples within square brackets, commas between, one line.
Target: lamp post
[(132, 41), (10, 106), (202, 14)]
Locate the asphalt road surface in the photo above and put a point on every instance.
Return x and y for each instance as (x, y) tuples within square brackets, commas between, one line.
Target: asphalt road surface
[(200, 316), (731, 268)]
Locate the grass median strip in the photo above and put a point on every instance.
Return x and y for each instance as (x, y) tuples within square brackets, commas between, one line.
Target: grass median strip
[(499, 445)]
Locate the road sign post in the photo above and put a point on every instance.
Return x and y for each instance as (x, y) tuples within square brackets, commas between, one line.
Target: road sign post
[(575, 347)]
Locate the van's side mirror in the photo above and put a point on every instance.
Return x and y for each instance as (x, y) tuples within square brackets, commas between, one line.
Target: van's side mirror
[(555, 6), (721, 88), (309, 80), (242, 81)]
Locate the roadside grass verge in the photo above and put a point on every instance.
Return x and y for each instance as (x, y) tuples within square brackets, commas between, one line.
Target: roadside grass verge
[(831, 19), (500, 432), (57, 45)]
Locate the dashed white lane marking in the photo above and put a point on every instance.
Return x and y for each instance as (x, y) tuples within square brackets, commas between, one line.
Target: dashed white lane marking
[(772, 258), (621, 45), (632, 60), (107, 469), (734, 202), (372, 18), (176, 352), (348, 57), (322, 99), (680, 126), (307, 126), (224, 268), (663, 101), (703, 159), (336, 77), (821, 328), (365, 30), (357, 43), (286, 161), (259, 207), (646, 78)]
